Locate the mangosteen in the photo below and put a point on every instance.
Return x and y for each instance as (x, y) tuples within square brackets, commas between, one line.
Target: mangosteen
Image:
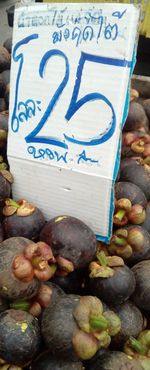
[(141, 295), (132, 243), (71, 241), (22, 264), (46, 361), (114, 360), (130, 204), (6, 96), (4, 59), (146, 223), (135, 143), (132, 323), (139, 348), (6, 76), (130, 191), (142, 86), (134, 94), (22, 219), (110, 279), (146, 104), (76, 327), (3, 105), (136, 118), (8, 44), (6, 181), (2, 87), (4, 120), (137, 171), (20, 337)]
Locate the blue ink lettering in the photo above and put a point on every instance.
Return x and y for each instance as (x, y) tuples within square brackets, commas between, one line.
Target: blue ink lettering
[(118, 14), (16, 58), (47, 153), (32, 137), (111, 32), (88, 33), (83, 158)]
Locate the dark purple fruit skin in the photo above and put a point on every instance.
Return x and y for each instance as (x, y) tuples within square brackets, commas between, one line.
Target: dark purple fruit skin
[(1, 233), (146, 223), (130, 191), (142, 86), (70, 238), (5, 189), (19, 345), (8, 44), (88, 363), (2, 87), (136, 173), (46, 361), (145, 253), (136, 117), (6, 97), (4, 59), (6, 76), (72, 283), (58, 326), (131, 323), (3, 305), (114, 360), (141, 295), (146, 104), (3, 105), (10, 287), (4, 120), (116, 289), (25, 226)]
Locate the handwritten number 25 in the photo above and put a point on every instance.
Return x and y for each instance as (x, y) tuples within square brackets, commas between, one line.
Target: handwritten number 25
[(74, 106)]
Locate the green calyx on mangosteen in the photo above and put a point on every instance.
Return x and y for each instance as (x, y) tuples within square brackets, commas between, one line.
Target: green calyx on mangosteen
[(139, 348), (76, 327), (115, 284), (131, 242)]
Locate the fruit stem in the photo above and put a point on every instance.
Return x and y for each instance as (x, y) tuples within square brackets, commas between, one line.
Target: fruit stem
[(119, 241), (137, 346), (102, 258), (120, 214), (11, 202), (97, 323), (20, 305)]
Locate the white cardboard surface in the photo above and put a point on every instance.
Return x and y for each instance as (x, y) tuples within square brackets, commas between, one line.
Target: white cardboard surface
[(69, 77)]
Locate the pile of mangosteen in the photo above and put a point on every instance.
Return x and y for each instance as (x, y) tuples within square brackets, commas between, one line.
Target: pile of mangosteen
[(68, 301)]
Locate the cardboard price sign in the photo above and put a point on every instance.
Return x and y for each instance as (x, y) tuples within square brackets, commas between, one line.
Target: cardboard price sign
[(71, 65)]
